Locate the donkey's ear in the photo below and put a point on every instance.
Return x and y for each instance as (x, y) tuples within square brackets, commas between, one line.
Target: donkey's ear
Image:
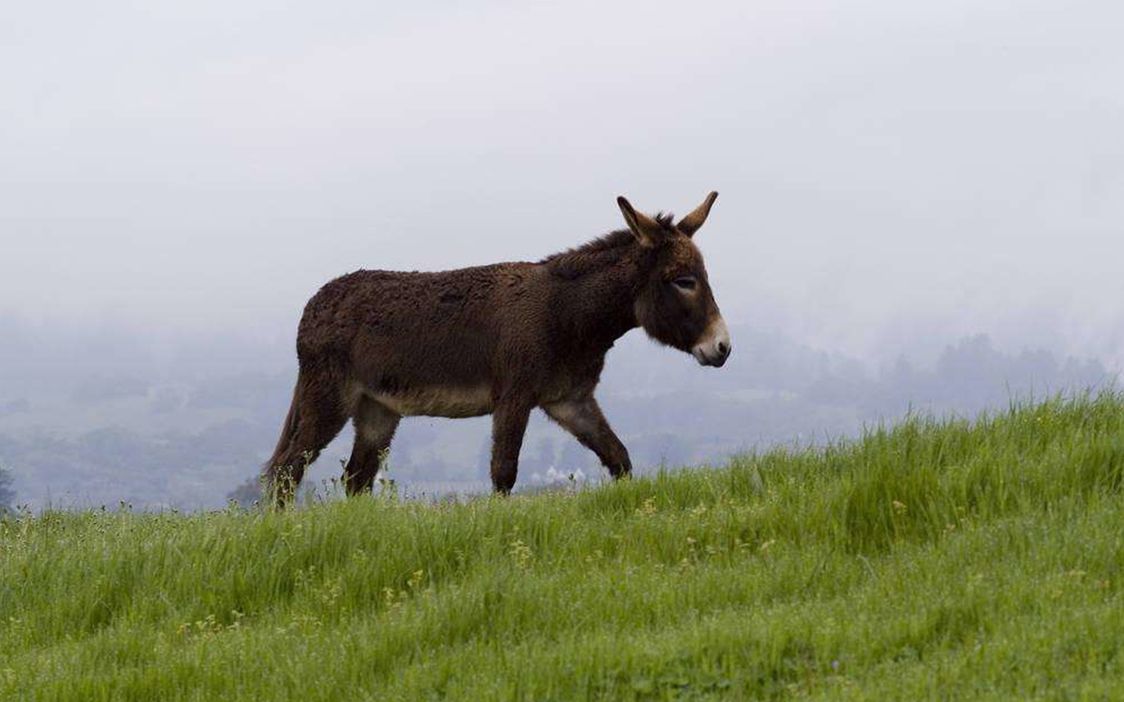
[(644, 228), (691, 223)]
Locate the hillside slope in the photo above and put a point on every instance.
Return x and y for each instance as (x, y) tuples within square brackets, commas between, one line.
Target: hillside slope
[(952, 559)]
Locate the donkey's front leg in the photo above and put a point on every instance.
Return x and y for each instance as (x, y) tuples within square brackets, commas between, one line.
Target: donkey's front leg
[(583, 419), (509, 422)]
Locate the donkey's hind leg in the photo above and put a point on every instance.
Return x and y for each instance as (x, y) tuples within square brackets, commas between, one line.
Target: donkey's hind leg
[(315, 418), (374, 429)]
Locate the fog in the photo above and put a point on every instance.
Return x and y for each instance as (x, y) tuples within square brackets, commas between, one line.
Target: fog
[(896, 179)]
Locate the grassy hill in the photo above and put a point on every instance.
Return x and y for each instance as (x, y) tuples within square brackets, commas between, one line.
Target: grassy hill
[(933, 559)]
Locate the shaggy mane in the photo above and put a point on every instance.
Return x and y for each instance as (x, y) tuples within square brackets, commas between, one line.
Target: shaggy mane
[(600, 252)]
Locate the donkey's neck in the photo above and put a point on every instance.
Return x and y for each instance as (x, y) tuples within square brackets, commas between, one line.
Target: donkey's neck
[(597, 308)]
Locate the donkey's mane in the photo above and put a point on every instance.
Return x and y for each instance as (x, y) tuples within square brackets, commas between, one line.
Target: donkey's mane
[(598, 253)]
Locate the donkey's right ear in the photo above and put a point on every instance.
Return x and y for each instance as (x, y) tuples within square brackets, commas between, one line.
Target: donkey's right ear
[(644, 228)]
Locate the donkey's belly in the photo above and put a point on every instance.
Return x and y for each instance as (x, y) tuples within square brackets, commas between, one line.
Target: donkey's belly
[(439, 401)]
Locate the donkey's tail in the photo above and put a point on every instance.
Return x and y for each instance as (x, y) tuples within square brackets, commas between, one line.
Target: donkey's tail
[(280, 458), (290, 426)]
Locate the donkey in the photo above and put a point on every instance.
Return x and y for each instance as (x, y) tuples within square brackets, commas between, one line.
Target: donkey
[(376, 346)]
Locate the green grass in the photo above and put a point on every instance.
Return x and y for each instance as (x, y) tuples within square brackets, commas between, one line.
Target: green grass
[(935, 559)]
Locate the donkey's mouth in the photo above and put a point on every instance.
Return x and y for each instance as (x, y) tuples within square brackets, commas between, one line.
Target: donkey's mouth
[(716, 360)]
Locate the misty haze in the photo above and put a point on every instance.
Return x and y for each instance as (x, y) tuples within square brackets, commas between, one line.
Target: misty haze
[(921, 211)]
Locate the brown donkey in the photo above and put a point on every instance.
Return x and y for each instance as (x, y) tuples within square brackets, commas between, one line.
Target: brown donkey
[(502, 339)]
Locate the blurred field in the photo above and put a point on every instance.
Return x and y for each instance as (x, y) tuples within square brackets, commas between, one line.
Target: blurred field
[(935, 559)]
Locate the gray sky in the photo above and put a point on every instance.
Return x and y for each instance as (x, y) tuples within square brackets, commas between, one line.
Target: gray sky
[(891, 172)]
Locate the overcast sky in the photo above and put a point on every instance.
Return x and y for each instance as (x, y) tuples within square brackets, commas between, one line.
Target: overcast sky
[(890, 172)]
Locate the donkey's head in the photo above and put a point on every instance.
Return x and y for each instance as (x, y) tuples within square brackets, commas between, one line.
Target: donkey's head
[(675, 304)]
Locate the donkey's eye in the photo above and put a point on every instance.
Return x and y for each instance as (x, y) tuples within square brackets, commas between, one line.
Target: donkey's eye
[(684, 282)]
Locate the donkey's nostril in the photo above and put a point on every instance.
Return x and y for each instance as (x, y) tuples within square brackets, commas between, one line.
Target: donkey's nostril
[(723, 348)]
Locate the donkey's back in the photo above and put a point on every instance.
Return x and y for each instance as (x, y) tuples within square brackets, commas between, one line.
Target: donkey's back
[(401, 329)]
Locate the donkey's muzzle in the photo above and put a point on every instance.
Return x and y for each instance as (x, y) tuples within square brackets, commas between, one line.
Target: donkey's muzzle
[(714, 347)]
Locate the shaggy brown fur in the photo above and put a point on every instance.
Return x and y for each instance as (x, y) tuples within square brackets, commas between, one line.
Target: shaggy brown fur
[(374, 346)]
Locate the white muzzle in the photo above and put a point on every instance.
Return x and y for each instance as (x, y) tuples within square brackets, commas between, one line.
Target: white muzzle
[(714, 347)]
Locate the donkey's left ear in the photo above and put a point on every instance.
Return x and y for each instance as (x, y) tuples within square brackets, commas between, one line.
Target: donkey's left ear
[(646, 230), (691, 223)]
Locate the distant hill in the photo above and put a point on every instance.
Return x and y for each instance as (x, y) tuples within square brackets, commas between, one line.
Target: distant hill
[(157, 425)]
